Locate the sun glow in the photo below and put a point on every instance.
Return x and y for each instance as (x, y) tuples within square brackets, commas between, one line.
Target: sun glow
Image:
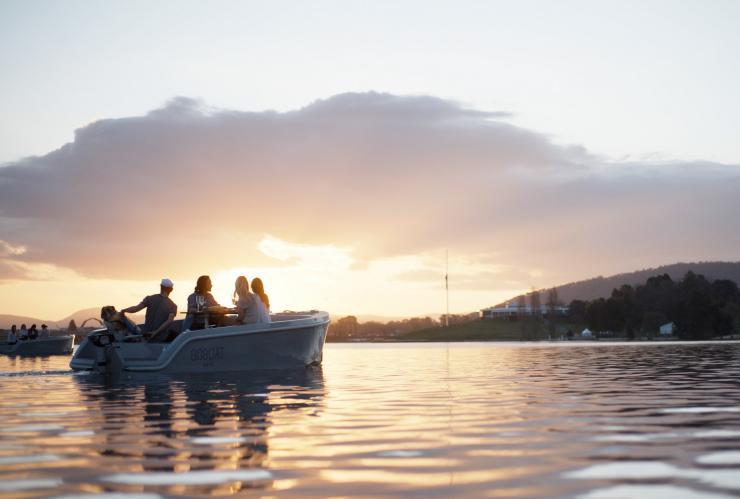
[(297, 276), (326, 257)]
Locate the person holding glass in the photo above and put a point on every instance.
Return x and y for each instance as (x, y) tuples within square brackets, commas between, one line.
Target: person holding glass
[(198, 303)]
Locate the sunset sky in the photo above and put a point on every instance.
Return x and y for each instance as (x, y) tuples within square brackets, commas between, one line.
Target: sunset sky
[(339, 149)]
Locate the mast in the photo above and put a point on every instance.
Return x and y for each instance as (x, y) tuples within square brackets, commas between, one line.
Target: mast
[(447, 286)]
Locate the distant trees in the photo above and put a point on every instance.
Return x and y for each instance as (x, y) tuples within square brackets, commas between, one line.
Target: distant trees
[(552, 302), (346, 327), (577, 311), (699, 308), (349, 327), (459, 318), (533, 322)]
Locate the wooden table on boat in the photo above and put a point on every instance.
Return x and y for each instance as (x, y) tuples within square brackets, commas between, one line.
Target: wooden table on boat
[(211, 312)]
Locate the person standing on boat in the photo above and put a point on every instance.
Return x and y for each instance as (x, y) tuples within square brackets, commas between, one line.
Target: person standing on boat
[(199, 301), (23, 335), (264, 301), (247, 306), (12, 336), (160, 311)]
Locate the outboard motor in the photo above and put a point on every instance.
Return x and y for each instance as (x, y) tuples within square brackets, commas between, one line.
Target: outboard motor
[(107, 359)]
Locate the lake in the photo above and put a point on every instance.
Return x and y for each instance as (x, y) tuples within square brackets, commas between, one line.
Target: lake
[(592, 420)]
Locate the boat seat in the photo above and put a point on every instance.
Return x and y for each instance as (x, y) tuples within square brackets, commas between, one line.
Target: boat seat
[(169, 334)]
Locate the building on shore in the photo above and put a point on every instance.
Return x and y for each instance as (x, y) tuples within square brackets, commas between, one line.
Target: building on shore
[(667, 329), (513, 310)]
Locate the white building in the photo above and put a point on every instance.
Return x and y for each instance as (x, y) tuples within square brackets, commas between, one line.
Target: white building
[(667, 329), (514, 310)]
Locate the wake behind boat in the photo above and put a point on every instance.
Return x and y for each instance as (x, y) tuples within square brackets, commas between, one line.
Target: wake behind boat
[(53, 345), (290, 340)]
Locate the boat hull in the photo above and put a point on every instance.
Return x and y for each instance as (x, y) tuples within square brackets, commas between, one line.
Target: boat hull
[(283, 344), (55, 345)]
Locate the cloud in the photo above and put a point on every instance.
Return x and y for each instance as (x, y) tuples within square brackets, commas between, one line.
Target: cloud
[(325, 257), (188, 188), (8, 250)]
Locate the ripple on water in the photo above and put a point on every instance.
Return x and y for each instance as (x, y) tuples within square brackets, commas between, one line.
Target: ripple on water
[(626, 470), (43, 414), (650, 492), (39, 458), (400, 453), (725, 457), (111, 495), (12, 447), (698, 410), (31, 428), (717, 434), (40, 483), (635, 437), (217, 440), (205, 477), (724, 479), (80, 433), (389, 420)]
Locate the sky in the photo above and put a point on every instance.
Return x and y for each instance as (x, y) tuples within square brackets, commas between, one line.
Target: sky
[(341, 150)]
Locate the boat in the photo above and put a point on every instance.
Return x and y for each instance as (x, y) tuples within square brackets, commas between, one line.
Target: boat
[(53, 345), (290, 340)]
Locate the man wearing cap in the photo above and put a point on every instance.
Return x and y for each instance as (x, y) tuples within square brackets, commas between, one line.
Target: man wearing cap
[(160, 312)]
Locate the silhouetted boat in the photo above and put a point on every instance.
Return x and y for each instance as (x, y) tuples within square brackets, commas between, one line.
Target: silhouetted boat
[(292, 339), (54, 345)]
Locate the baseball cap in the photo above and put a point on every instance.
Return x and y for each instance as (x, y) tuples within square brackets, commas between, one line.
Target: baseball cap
[(166, 283)]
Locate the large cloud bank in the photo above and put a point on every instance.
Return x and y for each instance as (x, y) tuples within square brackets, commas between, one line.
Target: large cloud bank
[(384, 175)]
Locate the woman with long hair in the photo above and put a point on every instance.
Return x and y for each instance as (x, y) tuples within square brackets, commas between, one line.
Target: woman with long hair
[(199, 301), (264, 301), (13, 335), (247, 307)]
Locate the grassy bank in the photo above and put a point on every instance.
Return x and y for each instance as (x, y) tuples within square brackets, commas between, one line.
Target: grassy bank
[(489, 330)]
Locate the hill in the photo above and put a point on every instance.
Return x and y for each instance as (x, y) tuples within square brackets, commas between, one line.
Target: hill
[(601, 287)]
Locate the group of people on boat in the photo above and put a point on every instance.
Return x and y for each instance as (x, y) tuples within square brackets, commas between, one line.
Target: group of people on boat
[(27, 334), (251, 307)]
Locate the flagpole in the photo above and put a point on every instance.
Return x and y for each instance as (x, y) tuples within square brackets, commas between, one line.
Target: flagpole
[(447, 286)]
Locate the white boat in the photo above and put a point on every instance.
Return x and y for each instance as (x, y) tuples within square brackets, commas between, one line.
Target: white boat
[(291, 340), (53, 345)]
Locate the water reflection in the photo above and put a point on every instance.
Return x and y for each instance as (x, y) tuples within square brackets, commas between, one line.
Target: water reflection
[(199, 434), (480, 420), (194, 435)]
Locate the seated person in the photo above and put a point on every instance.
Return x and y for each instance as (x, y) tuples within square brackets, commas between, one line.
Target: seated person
[(258, 288), (13, 335), (33, 332), (117, 322), (201, 300), (44, 331), (160, 312), (247, 305)]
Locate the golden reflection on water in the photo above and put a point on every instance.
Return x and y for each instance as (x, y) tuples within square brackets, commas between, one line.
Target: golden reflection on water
[(467, 419)]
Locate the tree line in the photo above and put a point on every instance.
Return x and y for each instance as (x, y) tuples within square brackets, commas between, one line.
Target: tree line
[(348, 328), (698, 308)]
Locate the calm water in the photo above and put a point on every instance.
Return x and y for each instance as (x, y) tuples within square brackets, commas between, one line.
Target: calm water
[(481, 420)]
